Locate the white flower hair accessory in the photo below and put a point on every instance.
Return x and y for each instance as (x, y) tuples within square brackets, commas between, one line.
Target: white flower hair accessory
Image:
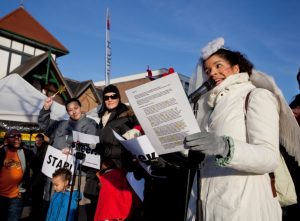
[(212, 47)]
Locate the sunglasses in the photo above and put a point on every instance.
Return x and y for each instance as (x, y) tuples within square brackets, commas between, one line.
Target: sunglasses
[(14, 136), (113, 97)]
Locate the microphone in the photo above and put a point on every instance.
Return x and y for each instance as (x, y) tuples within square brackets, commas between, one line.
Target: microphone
[(206, 86)]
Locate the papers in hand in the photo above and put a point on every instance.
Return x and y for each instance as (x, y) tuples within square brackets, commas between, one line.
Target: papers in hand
[(137, 185), (141, 148), (86, 144), (164, 112), (55, 159)]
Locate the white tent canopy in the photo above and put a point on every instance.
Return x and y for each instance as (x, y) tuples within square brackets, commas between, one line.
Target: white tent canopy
[(94, 113), (20, 101)]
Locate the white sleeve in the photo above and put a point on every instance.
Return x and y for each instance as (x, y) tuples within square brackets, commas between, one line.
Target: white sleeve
[(261, 153)]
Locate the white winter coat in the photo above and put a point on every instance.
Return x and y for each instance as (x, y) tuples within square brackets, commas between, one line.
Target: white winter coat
[(239, 189)]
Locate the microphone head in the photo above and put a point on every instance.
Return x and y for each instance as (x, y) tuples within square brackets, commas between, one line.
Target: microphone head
[(205, 87), (210, 84)]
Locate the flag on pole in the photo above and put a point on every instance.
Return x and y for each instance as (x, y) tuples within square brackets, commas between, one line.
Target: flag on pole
[(107, 50), (298, 78)]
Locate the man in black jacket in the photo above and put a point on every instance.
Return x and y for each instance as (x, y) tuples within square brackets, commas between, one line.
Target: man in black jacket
[(38, 179)]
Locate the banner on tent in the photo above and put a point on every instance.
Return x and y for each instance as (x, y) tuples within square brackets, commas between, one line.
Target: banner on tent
[(25, 136)]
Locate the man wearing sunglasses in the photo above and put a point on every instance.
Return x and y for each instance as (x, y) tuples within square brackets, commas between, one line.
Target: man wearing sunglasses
[(14, 176)]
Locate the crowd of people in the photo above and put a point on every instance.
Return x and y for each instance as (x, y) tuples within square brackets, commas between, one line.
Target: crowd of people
[(241, 120)]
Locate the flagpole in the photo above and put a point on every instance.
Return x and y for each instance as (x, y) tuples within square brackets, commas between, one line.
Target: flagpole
[(107, 50)]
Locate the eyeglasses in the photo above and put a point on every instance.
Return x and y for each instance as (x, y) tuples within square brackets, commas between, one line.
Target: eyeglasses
[(113, 97)]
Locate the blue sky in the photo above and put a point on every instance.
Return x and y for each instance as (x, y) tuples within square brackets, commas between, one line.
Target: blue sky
[(170, 33)]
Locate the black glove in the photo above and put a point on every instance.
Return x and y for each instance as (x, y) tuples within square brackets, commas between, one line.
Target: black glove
[(168, 164), (99, 149), (109, 151), (159, 167)]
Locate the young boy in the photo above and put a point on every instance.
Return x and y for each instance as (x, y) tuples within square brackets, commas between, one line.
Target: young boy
[(58, 208)]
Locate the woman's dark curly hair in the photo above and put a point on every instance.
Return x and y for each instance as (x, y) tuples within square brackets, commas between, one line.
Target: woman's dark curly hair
[(234, 58)]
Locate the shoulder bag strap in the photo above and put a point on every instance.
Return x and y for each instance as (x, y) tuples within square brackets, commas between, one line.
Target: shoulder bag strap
[(272, 176)]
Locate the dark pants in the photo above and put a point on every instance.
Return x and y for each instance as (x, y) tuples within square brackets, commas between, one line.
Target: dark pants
[(37, 210), (290, 213), (164, 199), (91, 208), (10, 208)]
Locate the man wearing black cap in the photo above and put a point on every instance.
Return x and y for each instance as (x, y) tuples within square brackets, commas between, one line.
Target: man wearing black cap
[(14, 176)]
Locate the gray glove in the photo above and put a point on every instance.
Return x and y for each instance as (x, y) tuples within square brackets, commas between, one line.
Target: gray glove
[(207, 143)]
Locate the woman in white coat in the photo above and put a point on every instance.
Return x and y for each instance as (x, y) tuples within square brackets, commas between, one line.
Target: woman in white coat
[(239, 152)]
